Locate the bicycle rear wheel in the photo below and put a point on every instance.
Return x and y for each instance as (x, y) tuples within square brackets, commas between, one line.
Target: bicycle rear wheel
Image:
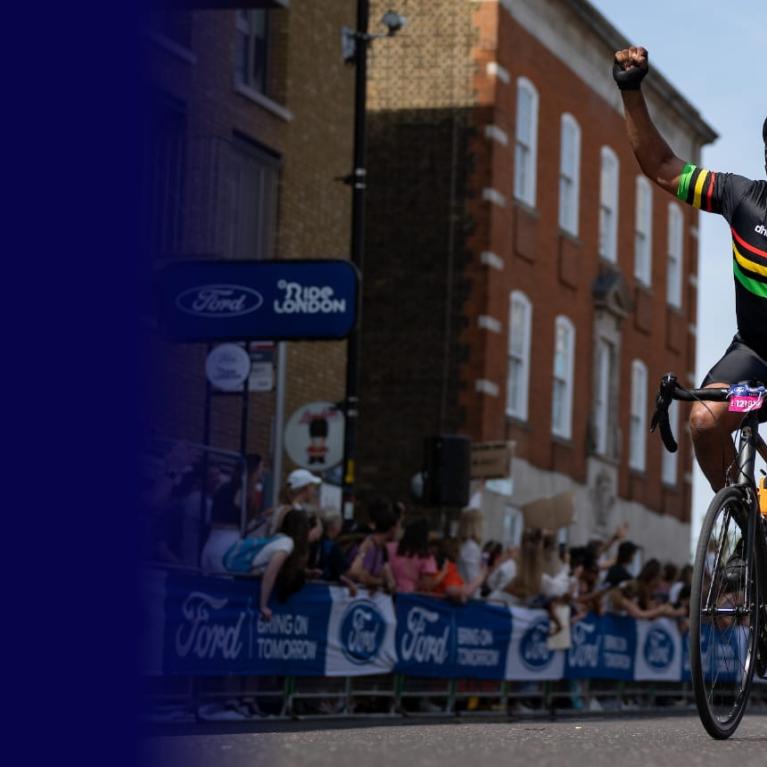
[(724, 615)]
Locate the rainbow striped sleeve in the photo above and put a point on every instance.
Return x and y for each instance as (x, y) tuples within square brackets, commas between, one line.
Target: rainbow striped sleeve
[(698, 187)]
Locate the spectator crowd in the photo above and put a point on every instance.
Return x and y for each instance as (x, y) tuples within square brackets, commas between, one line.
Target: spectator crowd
[(195, 517)]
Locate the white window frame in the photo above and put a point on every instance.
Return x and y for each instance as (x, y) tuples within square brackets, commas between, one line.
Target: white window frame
[(675, 251), (605, 352), (569, 174), (244, 20), (608, 204), (565, 429), (524, 335), (526, 148), (643, 232), (638, 417), (669, 465)]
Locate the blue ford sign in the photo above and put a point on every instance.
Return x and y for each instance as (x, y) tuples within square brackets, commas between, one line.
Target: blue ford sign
[(269, 300)]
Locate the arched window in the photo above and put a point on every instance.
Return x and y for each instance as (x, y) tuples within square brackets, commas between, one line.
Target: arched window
[(569, 174), (520, 327), (562, 392), (526, 142)]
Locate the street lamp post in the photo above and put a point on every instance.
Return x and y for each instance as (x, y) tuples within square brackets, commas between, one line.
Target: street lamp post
[(355, 50)]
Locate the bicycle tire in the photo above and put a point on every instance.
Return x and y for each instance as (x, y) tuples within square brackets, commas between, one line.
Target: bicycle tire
[(728, 498)]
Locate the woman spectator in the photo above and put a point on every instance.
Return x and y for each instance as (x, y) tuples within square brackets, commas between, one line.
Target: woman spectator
[(669, 574), (470, 553), (281, 559), (226, 519), (412, 566), (300, 492), (636, 597), (525, 587), (684, 581), (501, 571), (369, 564)]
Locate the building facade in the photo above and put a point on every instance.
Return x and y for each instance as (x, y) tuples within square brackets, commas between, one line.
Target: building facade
[(524, 282), (249, 127)]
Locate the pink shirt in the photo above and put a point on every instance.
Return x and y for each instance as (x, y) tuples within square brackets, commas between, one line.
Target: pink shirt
[(407, 571)]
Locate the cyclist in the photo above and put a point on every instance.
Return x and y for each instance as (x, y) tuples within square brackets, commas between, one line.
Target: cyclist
[(743, 203)]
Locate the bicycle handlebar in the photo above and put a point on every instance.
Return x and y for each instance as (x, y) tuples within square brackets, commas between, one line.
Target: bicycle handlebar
[(671, 390)]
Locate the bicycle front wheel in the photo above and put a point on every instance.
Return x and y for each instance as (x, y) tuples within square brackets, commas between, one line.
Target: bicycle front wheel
[(724, 614)]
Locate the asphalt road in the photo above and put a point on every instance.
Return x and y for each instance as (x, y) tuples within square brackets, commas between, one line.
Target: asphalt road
[(670, 741)]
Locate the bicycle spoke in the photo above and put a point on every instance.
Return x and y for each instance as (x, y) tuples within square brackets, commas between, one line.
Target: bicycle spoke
[(726, 615)]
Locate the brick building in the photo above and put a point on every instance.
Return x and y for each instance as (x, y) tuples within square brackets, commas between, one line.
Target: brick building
[(523, 281), (249, 127)]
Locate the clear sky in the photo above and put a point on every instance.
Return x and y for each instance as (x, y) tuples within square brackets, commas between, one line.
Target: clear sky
[(714, 53)]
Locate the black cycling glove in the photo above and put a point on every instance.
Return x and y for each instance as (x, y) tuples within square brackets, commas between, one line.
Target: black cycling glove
[(628, 79)]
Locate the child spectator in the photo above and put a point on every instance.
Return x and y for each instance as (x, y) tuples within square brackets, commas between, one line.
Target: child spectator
[(470, 536), (369, 564), (326, 559), (412, 565), (449, 581)]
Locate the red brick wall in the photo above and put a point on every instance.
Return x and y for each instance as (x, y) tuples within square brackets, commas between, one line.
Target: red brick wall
[(539, 276)]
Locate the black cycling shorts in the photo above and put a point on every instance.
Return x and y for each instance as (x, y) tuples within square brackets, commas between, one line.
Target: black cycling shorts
[(739, 364)]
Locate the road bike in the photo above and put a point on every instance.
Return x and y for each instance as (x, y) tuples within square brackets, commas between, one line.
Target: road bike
[(728, 618)]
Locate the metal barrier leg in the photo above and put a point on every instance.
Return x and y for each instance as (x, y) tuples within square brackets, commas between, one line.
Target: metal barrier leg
[(450, 709)]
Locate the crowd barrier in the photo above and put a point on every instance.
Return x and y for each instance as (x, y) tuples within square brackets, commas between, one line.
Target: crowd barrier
[(209, 626)]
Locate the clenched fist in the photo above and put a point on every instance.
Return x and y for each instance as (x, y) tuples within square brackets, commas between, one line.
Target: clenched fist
[(629, 68)]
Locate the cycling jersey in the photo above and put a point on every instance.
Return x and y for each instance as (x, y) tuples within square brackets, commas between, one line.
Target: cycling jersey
[(744, 204)]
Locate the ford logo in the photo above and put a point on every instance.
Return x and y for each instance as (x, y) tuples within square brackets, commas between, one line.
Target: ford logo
[(658, 649), (219, 301), (362, 631), (534, 649)]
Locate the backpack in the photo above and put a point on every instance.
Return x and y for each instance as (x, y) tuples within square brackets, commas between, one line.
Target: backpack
[(240, 556)]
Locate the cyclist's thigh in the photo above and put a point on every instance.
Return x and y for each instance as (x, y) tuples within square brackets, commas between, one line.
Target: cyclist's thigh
[(709, 416), (738, 364)]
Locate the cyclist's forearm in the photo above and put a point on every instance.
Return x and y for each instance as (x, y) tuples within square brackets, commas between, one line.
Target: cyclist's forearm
[(655, 156)]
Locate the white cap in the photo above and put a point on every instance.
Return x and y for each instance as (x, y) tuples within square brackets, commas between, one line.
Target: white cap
[(301, 478)]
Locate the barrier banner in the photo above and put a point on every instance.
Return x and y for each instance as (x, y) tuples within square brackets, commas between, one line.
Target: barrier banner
[(441, 639), (529, 656), (658, 654), (211, 626), (360, 634), (686, 675), (603, 647)]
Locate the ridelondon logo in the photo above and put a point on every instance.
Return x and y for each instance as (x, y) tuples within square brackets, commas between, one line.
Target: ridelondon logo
[(219, 301), (308, 299), (362, 631), (534, 649), (658, 649)]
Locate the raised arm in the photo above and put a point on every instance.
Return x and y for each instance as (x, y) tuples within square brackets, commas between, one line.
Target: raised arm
[(655, 156)]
